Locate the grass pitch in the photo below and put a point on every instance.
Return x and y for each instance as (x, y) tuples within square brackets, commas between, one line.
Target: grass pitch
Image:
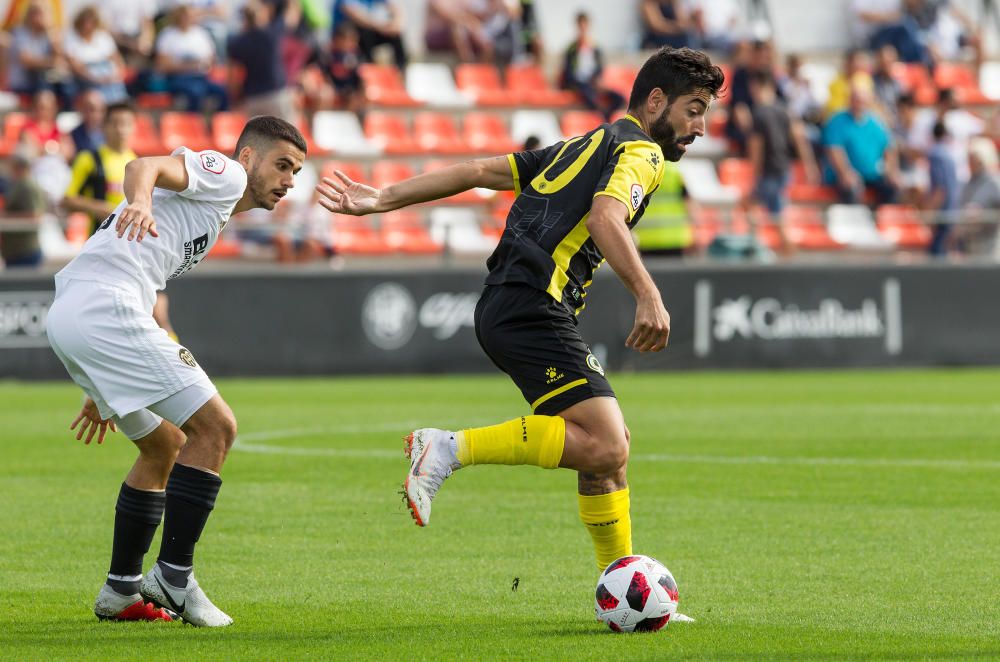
[(805, 515)]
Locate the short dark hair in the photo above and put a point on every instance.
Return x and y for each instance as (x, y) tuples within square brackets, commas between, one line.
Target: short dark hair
[(120, 107), (266, 129), (676, 71), (940, 130)]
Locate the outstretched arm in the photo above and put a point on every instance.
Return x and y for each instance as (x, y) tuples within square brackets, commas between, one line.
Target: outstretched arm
[(141, 176), (343, 195)]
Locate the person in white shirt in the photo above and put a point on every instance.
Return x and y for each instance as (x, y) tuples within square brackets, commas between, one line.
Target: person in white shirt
[(138, 380), (93, 57), (185, 53)]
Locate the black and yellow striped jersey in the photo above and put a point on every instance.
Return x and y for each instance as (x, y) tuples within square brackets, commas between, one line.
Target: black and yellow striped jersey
[(545, 243)]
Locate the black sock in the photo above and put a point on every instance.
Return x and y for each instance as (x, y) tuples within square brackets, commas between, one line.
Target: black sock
[(190, 499), (137, 514)]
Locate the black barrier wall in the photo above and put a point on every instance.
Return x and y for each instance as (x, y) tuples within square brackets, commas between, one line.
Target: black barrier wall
[(740, 317)]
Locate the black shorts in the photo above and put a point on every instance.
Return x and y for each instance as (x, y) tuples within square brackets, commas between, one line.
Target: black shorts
[(534, 339)]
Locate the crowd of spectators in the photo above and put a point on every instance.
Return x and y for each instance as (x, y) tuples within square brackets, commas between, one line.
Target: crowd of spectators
[(866, 135)]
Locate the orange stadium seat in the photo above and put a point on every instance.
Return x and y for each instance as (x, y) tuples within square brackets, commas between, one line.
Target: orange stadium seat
[(390, 172), (146, 141), (187, 129), (465, 197), (579, 122), (404, 232), (911, 76), (737, 173), (529, 85), (13, 122), (436, 133), (486, 132), (353, 170), (482, 81), (154, 101), (226, 129), (226, 249), (961, 79), (354, 235), (312, 149), (764, 228), (806, 229), (801, 191), (619, 77), (383, 86), (390, 132), (707, 224), (902, 225)]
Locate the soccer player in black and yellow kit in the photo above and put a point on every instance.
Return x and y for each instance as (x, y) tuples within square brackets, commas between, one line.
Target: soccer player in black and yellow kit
[(576, 202)]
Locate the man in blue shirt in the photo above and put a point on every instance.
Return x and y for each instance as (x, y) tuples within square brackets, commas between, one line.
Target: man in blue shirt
[(860, 152), (378, 22), (943, 193)]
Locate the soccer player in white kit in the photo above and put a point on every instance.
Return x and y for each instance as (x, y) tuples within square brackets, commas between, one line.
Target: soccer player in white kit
[(143, 383)]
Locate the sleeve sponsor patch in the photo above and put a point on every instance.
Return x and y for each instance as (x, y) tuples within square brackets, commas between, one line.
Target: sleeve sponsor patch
[(635, 196), (212, 162)]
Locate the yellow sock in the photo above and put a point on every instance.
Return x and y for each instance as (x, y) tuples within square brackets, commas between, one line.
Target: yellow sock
[(536, 440), (607, 520)]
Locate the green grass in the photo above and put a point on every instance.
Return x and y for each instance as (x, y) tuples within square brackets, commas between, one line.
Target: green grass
[(805, 515)]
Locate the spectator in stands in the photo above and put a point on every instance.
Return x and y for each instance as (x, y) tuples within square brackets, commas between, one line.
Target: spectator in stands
[(876, 23), (378, 22), (41, 132), (98, 175), (855, 73), (93, 56), (716, 23), (748, 58), (944, 28), (257, 48), (89, 133), (942, 197), (473, 29), (887, 88), (911, 148), (342, 65), (860, 151), (800, 100), (979, 232), (583, 64), (185, 53), (531, 39), (962, 126), (666, 230), (774, 140), (213, 16), (34, 58), (667, 23), (131, 26), (25, 201)]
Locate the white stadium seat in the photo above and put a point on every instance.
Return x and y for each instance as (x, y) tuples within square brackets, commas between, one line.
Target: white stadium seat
[(340, 132), (433, 84), (703, 185), (540, 123), (458, 229), (854, 226)]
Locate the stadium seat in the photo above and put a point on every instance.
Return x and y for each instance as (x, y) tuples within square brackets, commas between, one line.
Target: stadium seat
[(487, 132), (902, 225), (339, 132), (154, 101), (436, 133), (806, 229), (146, 141), (619, 78), (472, 197), (226, 129), (353, 170), (390, 172), (539, 123), (389, 132), (312, 149), (355, 235), (703, 185), (707, 225), (579, 122), (854, 226), (910, 75), (482, 82), (432, 83), (13, 122), (184, 129), (383, 86), (800, 191), (989, 80), (404, 232), (458, 229), (819, 75), (716, 123), (528, 83), (955, 76), (226, 249), (737, 173)]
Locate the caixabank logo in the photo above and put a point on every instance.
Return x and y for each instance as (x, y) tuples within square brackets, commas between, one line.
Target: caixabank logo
[(742, 317), (391, 314)]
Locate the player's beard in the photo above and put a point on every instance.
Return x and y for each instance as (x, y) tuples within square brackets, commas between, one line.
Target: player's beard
[(259, 189), (663, 134)]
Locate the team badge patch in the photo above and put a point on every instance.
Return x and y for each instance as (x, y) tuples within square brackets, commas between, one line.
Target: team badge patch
[(188, 358), (212, 162), (594, 364), (636, 196)]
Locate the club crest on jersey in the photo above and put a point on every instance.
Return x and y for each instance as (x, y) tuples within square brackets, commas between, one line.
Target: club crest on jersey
[(594, 364), (635, 196), (212, 162), (187, 357)]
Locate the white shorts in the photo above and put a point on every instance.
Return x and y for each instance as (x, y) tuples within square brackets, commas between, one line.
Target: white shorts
[(115, 352)]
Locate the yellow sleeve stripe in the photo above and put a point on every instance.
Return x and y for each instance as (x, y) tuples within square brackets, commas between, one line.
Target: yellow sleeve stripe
[(83, 165), (512, 160), (632, 169), (564, 252), (551, 394)]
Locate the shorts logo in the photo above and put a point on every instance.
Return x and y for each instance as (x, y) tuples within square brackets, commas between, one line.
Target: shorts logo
[(594, 364), (552, 375), (187, 357), (212, 162), (636, 196)]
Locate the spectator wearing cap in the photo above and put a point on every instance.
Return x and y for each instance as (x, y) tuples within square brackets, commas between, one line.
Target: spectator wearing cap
[(257, 47), (185, 53), (378, 22), (25, 204), (93, 56), (583, 64)]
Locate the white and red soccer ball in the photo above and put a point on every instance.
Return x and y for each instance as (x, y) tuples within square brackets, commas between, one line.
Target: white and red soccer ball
[(636, 594)]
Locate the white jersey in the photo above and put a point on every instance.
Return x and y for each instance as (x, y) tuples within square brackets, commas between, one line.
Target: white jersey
[(188, 222)]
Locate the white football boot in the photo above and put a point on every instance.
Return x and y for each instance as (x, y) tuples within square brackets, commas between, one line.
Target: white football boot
[(113, 606), (431, 461), (190, 602)]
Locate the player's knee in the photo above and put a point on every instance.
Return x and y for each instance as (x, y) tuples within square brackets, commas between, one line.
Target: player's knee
[(611, 455)]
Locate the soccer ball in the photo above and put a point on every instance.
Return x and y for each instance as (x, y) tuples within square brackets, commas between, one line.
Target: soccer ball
[(636, 594)]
